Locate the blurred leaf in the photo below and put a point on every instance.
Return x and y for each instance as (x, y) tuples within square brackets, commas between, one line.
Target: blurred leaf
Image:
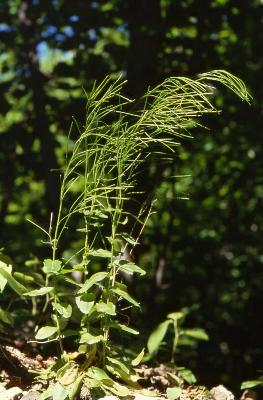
[(196, 333), (63, 309), (51, 266), (136, 361), (173, 393), (39, 292), (251, 384), (14, 284), (156, 337)]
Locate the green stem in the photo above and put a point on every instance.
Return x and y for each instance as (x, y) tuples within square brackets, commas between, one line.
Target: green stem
[(175, 340)]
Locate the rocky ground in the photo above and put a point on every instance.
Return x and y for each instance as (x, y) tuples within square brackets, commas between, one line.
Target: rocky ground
[(18, 383)]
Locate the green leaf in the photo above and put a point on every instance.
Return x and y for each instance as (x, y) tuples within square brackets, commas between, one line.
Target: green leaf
[(63, 309), (51, 266), (23, 277), (125, 296), (173, 393), (120, 364), (251, 384), (59, 392), (98, 374), (95, 278), (3, 281), (6, 317), (16, 286), (136, 361), (157, 336), (187, 375), (85, 302), (128, 238), (106, 308), (116, 244), (124, 328), (175, 315), (131, 268), (196, 333), (102, 253), (45, 332), (75, 388), (90, 339), (39, 292), (117, 389)]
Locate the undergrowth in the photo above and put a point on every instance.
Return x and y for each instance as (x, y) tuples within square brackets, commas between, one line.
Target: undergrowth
[(97, 182)]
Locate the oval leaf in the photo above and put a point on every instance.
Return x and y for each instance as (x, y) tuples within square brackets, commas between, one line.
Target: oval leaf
[(63, 309), (85, 303), (198, 334), (45, 332)]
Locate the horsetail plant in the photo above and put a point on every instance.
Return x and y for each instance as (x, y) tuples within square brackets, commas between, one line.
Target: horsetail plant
[(98, 180)]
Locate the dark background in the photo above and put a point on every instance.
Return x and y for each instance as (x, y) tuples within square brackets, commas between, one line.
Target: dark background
[(209, 247)]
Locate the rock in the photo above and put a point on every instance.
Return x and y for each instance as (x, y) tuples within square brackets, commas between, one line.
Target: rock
[(32, 395), (10, 394), (221, 393), (249, 395)]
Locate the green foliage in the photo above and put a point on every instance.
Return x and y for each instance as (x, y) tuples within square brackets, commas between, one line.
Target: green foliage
[(252, 383), (181, 336), (97, 181)]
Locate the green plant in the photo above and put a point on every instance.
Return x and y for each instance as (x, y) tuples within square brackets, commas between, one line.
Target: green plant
[(181, 336), (98, 180), (252, 383)]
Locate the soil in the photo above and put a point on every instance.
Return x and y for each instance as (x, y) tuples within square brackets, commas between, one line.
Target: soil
[(19, 382)]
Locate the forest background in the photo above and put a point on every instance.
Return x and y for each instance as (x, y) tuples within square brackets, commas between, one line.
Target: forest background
[(202, 248)]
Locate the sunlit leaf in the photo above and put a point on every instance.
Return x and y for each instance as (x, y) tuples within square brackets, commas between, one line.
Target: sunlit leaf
[(102, 253), (63, 309), (46, 332), (173, 393), (13, 283), (251, 384), (3, 281), (90, 339), (39, 292), (131, 268), (95, 278), (136, 361), (106, 308), (85, 302), (126, 296)]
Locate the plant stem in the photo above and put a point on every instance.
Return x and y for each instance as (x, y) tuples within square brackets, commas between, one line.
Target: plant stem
[(175, 340)]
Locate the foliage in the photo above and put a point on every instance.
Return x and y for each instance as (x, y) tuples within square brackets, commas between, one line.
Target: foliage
[(181, 336), (209, 253), (99, 178)]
